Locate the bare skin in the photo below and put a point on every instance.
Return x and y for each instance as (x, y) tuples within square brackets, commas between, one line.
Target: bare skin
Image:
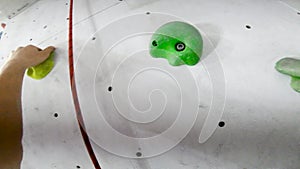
[(11, 77)]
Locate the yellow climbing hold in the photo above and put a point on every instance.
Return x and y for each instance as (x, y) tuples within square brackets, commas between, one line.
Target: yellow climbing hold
[(42, 70)]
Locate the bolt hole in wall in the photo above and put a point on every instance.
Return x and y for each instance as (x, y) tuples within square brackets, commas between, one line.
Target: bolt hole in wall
[(248, 26), (94, 38), (138, 154), (78, 166), (221, 124), (109, 89), (55, 115), (148, 13)]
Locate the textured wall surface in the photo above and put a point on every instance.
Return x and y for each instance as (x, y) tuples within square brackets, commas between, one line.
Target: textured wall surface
[(242, 42), (11, 8)]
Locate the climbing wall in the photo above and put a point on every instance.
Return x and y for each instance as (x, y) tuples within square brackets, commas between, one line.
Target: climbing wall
[(233, 110)]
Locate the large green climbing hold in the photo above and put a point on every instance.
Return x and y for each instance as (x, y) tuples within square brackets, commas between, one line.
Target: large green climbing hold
[(289, 66), (178, 42), (40, 71)]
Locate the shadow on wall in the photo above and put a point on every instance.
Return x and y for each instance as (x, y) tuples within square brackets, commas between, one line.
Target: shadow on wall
[(211, 36)]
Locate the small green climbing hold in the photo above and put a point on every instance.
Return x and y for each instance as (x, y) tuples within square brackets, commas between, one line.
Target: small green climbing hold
[(291, 67), (178, 42), (40, 71)]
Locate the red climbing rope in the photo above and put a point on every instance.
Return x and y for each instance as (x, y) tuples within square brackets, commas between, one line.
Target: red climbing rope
[(75, 96)]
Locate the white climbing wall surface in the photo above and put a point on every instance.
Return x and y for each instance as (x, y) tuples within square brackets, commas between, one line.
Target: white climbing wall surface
[(235, 110)]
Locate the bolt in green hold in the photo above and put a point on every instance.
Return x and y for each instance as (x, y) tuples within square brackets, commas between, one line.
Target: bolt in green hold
[(178, 42), (291, 67)]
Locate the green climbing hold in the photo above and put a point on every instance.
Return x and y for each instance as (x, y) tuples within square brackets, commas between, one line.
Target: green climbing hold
[(40, 71), (291, 67), (295, 83), (178, 42)]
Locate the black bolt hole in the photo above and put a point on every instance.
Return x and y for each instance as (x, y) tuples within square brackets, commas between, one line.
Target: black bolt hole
[(109, 89), (154, 43), (30, 39), (148, 13), (55, 114), (138, 154), (45, 27), (248, 26), (221, 124), (94, 38), (78, 166)]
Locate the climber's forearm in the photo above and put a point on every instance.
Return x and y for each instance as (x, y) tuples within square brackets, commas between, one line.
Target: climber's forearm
[(11, 76)]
